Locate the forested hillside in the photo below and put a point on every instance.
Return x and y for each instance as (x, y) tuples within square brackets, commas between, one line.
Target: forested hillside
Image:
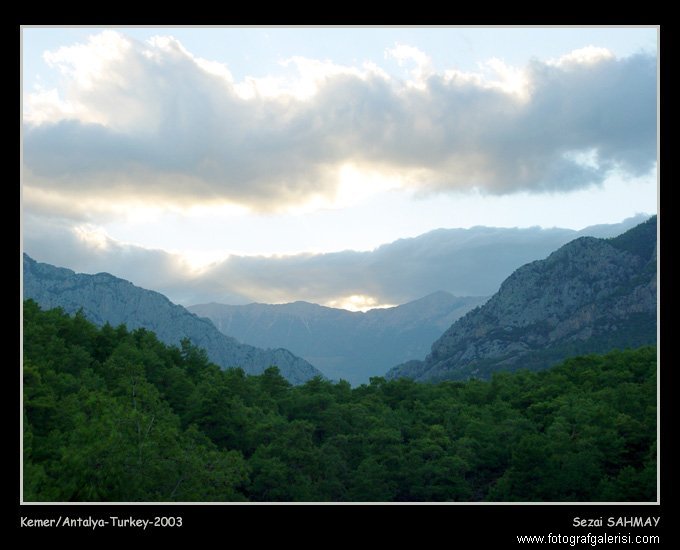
[(589, 296), (103, 298), (344, 345), (114, 415)]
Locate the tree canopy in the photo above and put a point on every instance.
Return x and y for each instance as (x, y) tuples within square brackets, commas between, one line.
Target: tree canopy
[(115, 415)]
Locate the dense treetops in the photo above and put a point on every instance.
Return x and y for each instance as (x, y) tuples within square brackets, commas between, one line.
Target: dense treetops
[(103, 298), (114, 415)]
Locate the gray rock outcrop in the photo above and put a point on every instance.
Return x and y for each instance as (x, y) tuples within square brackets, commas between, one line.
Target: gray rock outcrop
[(108, 299), (590, 296)]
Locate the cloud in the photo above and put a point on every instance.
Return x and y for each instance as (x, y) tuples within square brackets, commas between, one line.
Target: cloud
[(150, 120), (423, 63), (465, 262)]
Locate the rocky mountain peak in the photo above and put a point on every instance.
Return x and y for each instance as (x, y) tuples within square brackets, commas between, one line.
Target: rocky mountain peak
[(105, 298), (590, 295)]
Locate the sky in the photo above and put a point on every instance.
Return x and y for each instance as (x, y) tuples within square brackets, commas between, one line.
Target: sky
[(163, 154)]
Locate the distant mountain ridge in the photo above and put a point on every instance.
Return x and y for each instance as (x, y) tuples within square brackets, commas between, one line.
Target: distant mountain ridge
[(105, 298), (589, 296), (343, 344), (465, 262)]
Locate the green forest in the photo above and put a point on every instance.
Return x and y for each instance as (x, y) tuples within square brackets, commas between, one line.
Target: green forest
[(115, 415)]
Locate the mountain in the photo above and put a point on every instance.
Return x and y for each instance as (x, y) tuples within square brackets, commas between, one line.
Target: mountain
[(590, 296), (464, 262), (105, 298), (343, 344)]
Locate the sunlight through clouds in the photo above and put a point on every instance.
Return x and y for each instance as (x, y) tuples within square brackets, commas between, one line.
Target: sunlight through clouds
[(93, 237), (357, 185), (357, 302), (229, 162), (153, 117)]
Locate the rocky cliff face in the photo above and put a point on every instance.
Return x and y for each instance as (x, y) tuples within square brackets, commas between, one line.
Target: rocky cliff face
[(590, 296), (105, 298), (350, 345)]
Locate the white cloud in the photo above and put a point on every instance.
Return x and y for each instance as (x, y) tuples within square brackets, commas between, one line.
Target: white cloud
[(43, 106), (307, 77), (404, 53), (151, 121), (511, 80), (88, 64), (92, 236), (583, 56)]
